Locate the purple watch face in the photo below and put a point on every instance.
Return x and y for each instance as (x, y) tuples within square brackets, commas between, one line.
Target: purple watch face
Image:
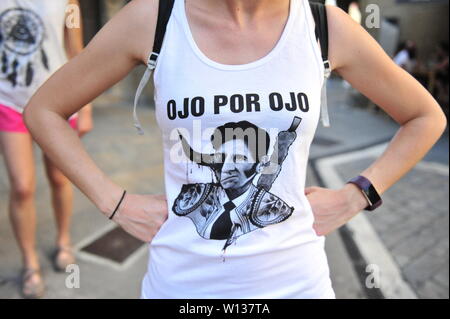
[(366, 186)]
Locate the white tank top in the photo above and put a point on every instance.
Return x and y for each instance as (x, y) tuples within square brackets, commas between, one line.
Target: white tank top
[(239, 225), (31, 47)]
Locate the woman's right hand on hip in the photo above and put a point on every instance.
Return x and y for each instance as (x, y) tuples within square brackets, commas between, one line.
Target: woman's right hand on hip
[(142, 215)]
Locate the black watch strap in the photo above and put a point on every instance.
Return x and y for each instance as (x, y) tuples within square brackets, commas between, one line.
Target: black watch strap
[(368, 191)]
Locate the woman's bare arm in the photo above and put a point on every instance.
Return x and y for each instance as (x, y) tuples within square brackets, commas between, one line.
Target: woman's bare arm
[(360, 60), (122, 44)]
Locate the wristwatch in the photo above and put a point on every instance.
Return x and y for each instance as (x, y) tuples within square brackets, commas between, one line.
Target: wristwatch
[(368, 191)]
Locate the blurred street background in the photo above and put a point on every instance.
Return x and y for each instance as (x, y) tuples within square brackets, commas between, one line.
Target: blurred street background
[(405, 243)]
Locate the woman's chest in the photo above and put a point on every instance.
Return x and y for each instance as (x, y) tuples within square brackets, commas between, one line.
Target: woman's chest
[(197, 103)]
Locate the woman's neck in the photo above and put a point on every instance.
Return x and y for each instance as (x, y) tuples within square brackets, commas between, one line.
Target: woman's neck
[(243, 12)]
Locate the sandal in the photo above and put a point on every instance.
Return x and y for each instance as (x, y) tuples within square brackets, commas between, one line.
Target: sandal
[(63, 257), (32, 289)]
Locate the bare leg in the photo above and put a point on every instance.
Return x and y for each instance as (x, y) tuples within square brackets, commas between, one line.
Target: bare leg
[(62, 200), (17, 149)]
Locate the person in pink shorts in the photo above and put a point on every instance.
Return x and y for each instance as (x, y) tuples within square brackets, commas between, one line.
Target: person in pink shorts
[(11, 121), (35, 41)]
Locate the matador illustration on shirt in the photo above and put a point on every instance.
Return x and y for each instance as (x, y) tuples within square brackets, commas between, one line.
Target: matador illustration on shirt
[(234, 205)]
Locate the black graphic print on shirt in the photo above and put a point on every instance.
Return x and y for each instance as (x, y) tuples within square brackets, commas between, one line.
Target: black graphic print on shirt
[(22, 33), (234, 204)]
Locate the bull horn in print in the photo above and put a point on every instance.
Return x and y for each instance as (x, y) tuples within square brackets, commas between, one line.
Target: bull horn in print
[(194, 156)]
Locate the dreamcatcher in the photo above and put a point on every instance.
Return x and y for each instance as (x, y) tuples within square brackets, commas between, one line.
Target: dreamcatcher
[(22, 33)]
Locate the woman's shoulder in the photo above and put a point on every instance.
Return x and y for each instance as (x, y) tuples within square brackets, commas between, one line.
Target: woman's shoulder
[(143, 11), (135, 24)]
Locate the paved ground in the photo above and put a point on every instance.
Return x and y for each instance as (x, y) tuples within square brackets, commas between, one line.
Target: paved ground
[(415, 235), (114, 145), (412, 225)]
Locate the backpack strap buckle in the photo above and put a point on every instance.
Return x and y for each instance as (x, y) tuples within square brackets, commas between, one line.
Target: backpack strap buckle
[(327, 65), (152, 59)]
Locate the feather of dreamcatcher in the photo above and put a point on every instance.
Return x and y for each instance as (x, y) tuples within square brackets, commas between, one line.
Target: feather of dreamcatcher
[(4, 62), (30, 74), (12, 77), (44, 59)]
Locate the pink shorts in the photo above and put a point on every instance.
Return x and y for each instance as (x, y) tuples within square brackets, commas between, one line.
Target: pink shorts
[(12, 121)]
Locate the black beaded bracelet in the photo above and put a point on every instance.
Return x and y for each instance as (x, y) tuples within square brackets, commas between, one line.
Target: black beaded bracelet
[(118, 205)]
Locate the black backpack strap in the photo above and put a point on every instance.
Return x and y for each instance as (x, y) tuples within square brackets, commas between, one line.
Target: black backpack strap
[(164, 12), (320, 16), (319, 12)]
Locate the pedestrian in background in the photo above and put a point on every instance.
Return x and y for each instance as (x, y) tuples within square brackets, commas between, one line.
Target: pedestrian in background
[(34, 43), (407, 56)]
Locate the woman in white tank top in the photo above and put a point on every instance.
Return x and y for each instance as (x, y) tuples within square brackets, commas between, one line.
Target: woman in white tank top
[(237, 96)]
